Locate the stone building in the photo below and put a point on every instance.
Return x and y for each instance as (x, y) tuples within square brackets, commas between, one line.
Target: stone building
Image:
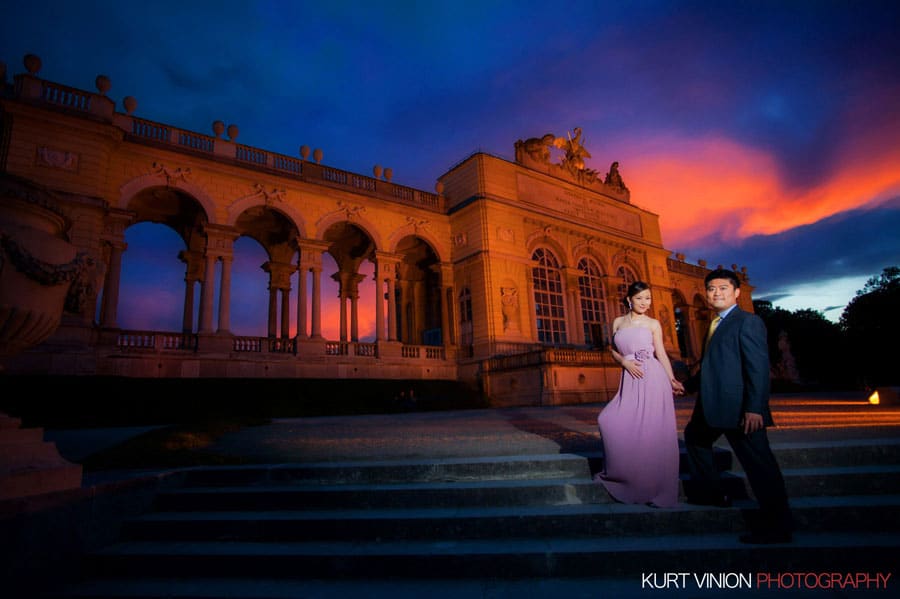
[(506, 277)]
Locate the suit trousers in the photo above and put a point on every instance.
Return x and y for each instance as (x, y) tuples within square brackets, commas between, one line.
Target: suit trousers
[(756, 458)]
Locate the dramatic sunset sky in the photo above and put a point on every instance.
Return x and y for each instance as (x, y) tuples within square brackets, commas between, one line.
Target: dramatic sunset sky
[(764, 133)]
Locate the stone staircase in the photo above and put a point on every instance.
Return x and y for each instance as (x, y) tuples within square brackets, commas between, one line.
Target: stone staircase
[(29, 465), (482, 527)]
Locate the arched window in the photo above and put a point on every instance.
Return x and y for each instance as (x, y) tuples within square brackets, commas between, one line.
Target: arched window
[(593, 303), (465, 322), (627, 276), (548, 298)]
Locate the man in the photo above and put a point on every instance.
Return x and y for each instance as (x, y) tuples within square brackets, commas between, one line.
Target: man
[(733, 400)]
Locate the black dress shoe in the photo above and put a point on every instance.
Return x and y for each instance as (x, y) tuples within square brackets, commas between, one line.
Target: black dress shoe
[(766, 538)]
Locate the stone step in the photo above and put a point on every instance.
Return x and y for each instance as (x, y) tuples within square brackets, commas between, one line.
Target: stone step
[(613, 557), (395, 471), (870, 513), (485, 493), (374, 496), (840, 481), (839, 453)]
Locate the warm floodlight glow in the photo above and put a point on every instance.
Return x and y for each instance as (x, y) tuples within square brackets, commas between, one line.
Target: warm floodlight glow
[(874, 399)]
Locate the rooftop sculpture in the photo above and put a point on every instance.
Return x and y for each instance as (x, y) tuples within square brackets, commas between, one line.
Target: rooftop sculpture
[(537, 153)]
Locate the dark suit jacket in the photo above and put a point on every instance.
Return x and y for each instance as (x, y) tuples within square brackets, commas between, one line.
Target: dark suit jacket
[(734, 371)]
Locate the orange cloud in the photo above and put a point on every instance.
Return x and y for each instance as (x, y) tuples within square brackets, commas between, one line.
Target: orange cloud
[(715, 186)]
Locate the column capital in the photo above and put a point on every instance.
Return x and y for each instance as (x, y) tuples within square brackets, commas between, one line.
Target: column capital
[(279, 274), (311, 251), (219, 239), (114, 224), (195, 268)]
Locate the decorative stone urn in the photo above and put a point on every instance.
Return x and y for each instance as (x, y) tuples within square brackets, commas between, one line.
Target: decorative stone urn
[(37, 264), (37, 268)]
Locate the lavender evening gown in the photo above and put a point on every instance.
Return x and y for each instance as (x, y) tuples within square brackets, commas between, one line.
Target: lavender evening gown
[(637, 427)]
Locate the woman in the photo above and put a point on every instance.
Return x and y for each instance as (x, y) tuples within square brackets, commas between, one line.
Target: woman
[(640, 439)]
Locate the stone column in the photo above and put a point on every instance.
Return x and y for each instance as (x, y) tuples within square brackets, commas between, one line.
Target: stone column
[(219, 246), (279, 281), (310, 261), (193, 272), (187, 316), (316, 332), (113, 235), (386, 272), (392, 309), (447, 301), (301, 300), (573, 295), (286, 313), (341, 278), (206, 295), (109, 311), (379, 303), (446, 334), (530, 302), (272, 316), (354, 306), (225, 296)]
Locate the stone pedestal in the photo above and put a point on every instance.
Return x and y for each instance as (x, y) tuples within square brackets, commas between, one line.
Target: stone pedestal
[(31, 466)]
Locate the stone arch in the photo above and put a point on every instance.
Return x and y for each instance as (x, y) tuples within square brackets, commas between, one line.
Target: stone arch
[(549, 239), (271, 227), (352, 218), (590, 249), (241, 205), (129, 190), (422, 233)]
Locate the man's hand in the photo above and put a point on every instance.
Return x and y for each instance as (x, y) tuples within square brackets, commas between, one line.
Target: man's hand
[(752, 422)]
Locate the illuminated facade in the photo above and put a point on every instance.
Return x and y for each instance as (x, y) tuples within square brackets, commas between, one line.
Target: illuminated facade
[(506, 277)]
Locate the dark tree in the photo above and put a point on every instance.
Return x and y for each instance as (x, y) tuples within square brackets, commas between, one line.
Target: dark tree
[(806, 349), (871, 322)]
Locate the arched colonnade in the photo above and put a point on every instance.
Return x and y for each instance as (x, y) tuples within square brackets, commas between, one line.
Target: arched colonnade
[(408, 266)]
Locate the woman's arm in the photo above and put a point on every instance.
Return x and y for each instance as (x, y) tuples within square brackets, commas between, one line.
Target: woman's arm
[(632, 366), (659, 349)]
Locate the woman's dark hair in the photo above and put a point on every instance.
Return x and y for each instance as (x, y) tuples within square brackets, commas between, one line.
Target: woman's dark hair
[(633, 290)]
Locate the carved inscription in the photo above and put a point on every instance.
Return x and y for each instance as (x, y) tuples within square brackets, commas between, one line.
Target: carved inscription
[(577, 205)]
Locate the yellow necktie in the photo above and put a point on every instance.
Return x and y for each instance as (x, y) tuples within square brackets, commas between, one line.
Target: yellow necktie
[(712, 327)]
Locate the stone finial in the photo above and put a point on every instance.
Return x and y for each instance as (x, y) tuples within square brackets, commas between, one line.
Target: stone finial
[(388, 174), (103, 84), (317, 155), (376, 170), (218, 128), (304, 152), (680, 257), (439, 188), (130, 103), (702, 262), (734, 267), (233, 132), (32, 63)]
